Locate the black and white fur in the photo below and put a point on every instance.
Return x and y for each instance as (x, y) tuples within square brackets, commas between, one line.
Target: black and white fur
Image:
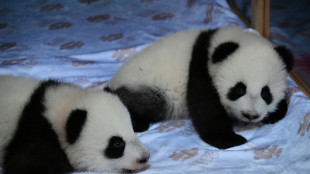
[(50, 127), (209, 76)]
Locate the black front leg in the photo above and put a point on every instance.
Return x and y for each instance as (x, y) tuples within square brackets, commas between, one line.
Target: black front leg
[(209, 116), (138, 123), (213, 125), (280, 113), (217, 132)]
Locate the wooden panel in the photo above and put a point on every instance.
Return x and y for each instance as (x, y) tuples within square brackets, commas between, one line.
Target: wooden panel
[(261, 16), (300, 82), (266, 18)]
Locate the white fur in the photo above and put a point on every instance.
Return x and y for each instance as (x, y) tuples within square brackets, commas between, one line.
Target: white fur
[(165, 65), (106, 117), (254, 63)]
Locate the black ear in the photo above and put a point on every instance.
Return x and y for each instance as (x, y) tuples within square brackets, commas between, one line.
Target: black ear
[(75, 124), (222, 51), (286, 56)]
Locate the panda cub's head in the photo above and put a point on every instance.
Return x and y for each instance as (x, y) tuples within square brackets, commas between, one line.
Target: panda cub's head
[(98, 136), (249, 73)]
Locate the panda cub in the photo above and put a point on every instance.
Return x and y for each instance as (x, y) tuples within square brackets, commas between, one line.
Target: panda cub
[(211, 76), (51, 127)]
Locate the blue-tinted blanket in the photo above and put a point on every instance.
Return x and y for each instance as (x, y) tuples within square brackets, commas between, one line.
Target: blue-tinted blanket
[(85, 41)]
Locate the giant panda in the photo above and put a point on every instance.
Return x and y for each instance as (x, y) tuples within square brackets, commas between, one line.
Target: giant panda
[(215, 77), (52, 127)]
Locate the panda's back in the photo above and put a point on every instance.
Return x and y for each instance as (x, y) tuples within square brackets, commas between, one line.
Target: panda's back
[(14, 92), (157, 61), (163, 65)]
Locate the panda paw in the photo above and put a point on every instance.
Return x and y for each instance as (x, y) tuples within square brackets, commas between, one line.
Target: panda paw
[(273, 119), (278, 114), (140, 126), (227, 141), (269, 120)]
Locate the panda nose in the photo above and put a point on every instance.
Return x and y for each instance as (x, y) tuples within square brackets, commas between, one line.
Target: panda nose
[(143, 160), (250, 117)]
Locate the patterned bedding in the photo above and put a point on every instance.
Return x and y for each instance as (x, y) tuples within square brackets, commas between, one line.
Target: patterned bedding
[(85, 41)]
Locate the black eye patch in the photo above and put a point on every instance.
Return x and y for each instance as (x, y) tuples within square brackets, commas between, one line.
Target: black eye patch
[(115, 147), (237, 91), (266, 95)]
